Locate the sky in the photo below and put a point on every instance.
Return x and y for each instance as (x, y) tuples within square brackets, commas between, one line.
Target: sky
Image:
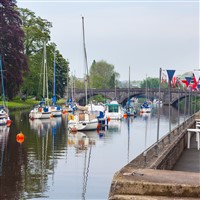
[(145, 35)]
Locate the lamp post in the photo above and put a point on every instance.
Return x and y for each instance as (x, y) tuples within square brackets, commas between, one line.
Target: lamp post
[(158, 123)]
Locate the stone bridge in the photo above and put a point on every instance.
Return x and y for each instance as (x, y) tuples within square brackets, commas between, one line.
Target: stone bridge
[(121, 94)]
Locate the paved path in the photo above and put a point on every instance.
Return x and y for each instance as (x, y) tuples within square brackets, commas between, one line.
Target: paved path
[(190, 159)]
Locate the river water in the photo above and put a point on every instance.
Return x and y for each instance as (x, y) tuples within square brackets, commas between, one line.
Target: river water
[(52, 164)]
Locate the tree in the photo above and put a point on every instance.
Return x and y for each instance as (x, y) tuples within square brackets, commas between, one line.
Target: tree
[(103, 75), (36, 29), (150, 82), (33, 81), (11, 47)]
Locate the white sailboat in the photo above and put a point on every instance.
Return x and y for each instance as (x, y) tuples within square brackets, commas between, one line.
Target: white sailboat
[(129, 110), (146, 107), (83, 119), (43, 110)]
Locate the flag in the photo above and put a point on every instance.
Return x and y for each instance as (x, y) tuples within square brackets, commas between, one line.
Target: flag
[(164, 78), (170, 75), (196, 74), (173, 82), (188, 79), (185, 83), (194, 83)]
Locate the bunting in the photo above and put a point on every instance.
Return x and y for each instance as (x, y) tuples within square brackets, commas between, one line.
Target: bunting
[(175, 82), (185, 83), (170, 74), (196, 75), (164, 78), (188, 79)]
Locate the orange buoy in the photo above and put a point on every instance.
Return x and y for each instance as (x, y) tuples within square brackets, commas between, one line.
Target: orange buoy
[(65, 112), (73, 129), (98, 126), (8, 123), (125, 115), (20, 137)]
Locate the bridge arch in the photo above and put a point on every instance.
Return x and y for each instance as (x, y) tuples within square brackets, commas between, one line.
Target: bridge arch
[(122, 94)]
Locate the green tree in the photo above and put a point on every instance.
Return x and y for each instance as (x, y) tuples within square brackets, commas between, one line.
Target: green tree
[(103, 75), (14, 60), (150, 82), (33, 81), (36, 29)]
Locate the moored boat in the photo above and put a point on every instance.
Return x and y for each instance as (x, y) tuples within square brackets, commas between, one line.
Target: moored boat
[(113, 110), (145, 107), (40, 112), (43, 110), (83, 121)]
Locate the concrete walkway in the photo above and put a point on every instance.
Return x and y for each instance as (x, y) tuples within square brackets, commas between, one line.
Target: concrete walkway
[(190, 159)]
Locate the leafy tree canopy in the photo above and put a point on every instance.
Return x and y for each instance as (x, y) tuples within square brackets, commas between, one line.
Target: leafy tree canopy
[(14, 60), (103, 75), (37, 30), (150, 83)]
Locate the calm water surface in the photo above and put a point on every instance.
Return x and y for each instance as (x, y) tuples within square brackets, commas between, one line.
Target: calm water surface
[(52, 164)]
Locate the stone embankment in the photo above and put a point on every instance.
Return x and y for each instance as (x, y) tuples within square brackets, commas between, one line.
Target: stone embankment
[(151, 176)]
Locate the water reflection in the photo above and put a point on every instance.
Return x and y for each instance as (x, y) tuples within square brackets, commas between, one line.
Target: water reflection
[(4, 132), (78, 140), (114, 125), (42, 162), (43, 126), (52, 163), (83, 144)]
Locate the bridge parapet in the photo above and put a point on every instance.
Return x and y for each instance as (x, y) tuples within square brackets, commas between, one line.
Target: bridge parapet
[(121, 94)]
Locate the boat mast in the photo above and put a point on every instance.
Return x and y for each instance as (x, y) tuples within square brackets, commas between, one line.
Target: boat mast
[(146, 88), (2, 82), (45, 77), (86, 64), (129, 85), (54, 78)]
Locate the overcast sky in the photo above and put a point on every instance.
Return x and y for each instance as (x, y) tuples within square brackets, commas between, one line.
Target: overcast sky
[(145, 35)]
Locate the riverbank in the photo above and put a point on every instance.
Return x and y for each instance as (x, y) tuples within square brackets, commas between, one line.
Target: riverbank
[(18, 104), (153, 175)]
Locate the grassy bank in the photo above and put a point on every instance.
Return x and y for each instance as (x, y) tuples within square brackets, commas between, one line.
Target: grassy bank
[(27, 104)]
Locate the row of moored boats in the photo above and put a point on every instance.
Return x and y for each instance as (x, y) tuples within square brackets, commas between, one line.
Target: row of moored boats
[(89, 117)]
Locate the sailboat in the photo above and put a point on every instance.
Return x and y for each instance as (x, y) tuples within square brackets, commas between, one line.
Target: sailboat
[(129, 110), (146, 107), (4, 113), (55, 109), (43, 110), (84, 120)]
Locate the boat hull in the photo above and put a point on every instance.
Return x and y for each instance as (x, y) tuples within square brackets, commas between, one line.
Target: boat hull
[(114, 116), (40, 113), (56, 113), (3, 120), (84, 125)]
